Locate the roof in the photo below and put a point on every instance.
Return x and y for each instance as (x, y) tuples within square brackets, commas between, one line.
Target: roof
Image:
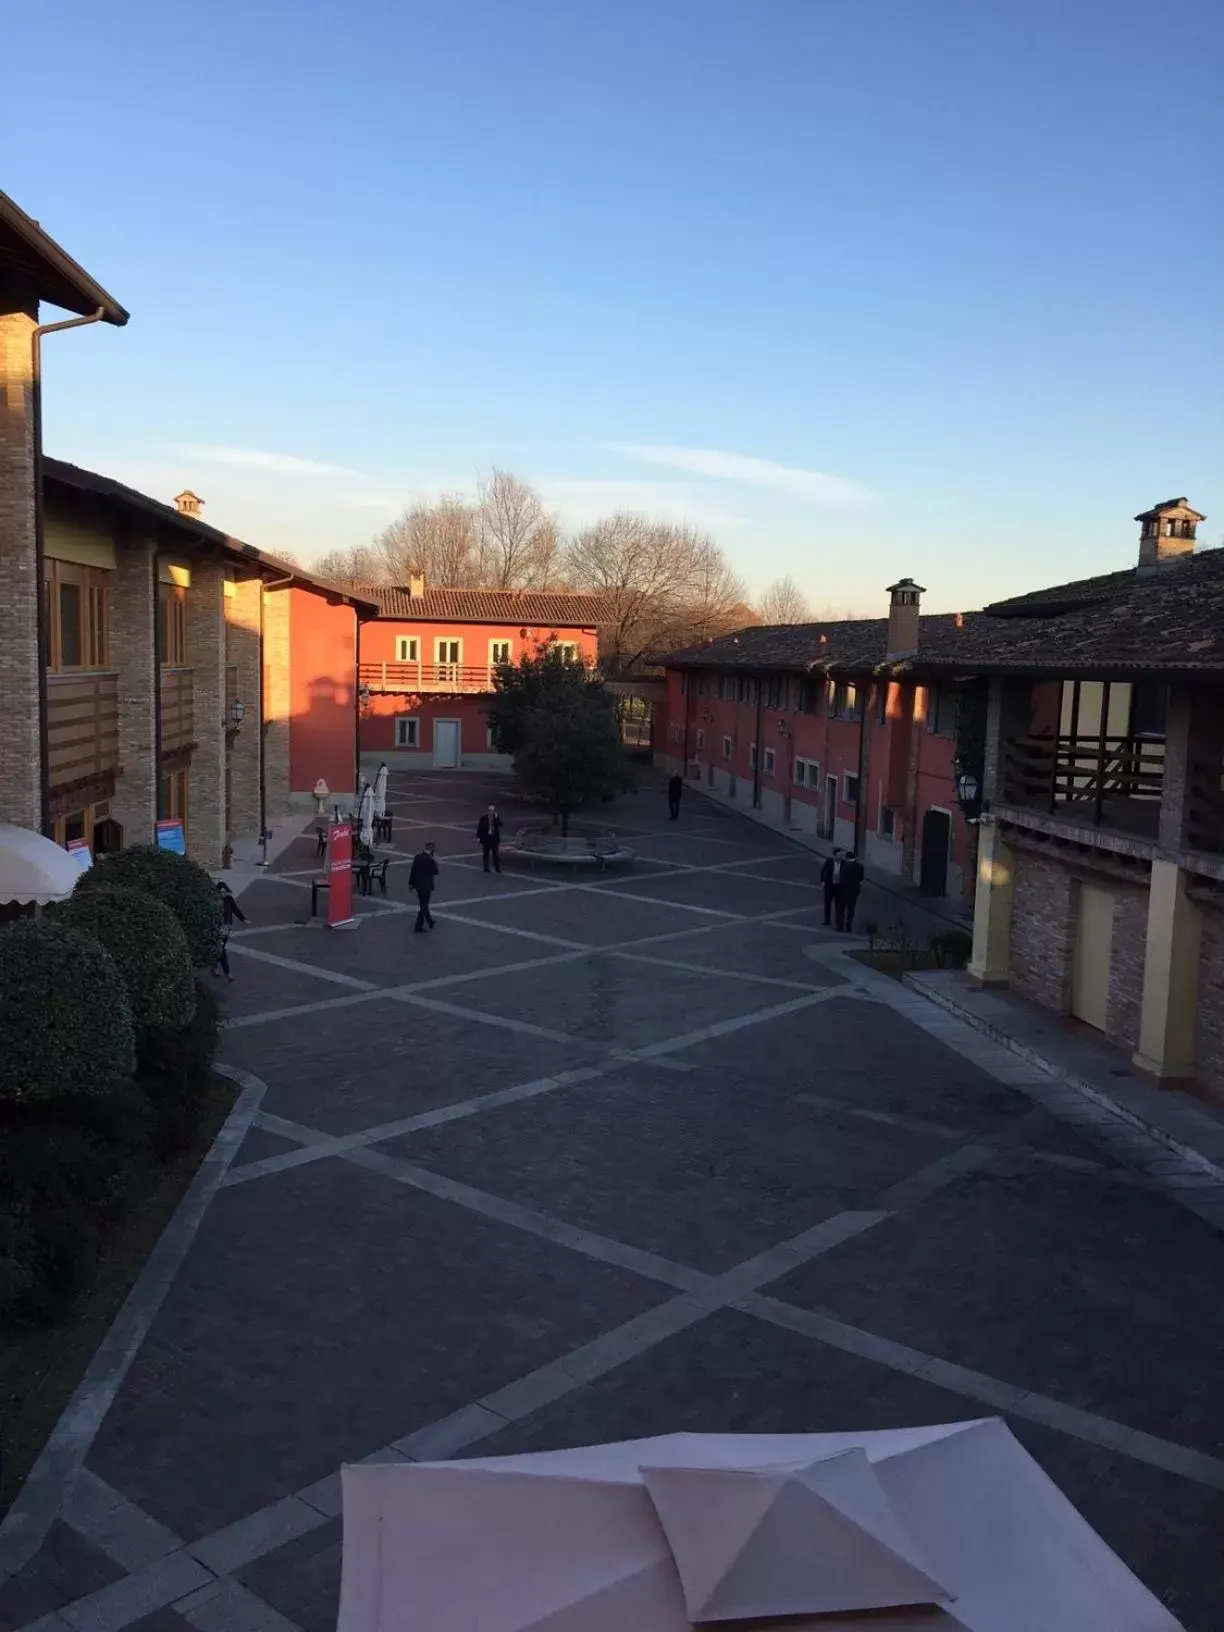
[(29, 257), (1163, 622), (1164, 508), (193, 530), (1060, 598), (554, 608), (856, 645)]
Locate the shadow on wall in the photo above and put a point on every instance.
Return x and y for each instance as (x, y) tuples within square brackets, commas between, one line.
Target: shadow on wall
[(323, 737)]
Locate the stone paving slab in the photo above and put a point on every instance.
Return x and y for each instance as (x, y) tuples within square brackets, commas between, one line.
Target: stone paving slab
[(705, 1176), (733, 949), (730, 892), (1009, 1272), (64, 1569), (387, 1060), (595, 919), (302, 1579), (255, 1378)]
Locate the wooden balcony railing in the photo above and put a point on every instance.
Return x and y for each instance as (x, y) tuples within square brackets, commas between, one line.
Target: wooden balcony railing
[(1205, 808), (1108, 781), (82, 729), (450, 678), (177, 712)]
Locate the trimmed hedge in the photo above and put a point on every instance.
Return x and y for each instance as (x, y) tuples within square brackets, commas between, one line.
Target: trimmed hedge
[(174, 1067), (177, 881), (65, 1021), (148, 945)]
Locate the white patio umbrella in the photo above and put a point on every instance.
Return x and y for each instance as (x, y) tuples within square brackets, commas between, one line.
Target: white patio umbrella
[(906, 1530), (34, 870), (365, 816), (380, 792)]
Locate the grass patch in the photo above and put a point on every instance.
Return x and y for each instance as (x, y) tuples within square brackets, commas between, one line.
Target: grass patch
[(41, 1364), (897, 964)]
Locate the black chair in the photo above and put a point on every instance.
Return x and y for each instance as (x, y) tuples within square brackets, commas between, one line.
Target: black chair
[(317, 884), (320, 841), (382, 829), (377, 874)]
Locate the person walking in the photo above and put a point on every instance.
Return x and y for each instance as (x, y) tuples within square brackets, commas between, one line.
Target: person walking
[(421, 876), (229, 911), (674, 789), (848, 886), (830, 877), (488, 831)]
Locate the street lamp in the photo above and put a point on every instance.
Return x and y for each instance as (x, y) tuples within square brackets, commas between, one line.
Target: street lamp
[(363, 697), (237, 712), (968, 790)]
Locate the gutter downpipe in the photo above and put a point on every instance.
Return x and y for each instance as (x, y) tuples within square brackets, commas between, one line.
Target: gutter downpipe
[(44, 644), (273, 583), (760, 746)]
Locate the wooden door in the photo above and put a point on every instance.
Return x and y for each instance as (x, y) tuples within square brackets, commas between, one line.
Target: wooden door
[(1093, 952)]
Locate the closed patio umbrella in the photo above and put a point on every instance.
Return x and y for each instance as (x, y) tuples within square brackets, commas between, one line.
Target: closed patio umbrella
[(380, 792), (365, 817)]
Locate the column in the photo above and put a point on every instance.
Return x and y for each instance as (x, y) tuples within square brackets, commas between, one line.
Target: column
[(990, 963), (20, 591), (277, 701), (206, 656), (242, 602), (1170, 976), (132, 624)]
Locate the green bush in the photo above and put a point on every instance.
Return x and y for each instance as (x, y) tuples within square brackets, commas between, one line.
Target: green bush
[(175, 1070), (177, 881), (65, 1022), (951, 948), (148, 945)]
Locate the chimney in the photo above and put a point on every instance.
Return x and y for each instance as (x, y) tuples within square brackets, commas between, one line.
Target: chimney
[(1166, 534), (904, 598), (188, 503), (416, 586)]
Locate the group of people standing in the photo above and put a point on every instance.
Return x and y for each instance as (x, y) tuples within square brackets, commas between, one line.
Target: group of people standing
[(842, 877)]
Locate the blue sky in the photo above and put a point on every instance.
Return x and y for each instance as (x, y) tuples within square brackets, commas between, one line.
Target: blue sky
[(864, 287)]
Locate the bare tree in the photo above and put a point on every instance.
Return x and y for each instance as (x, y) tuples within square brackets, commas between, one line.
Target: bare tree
[(442, 540), (715, 594), (521, 539), (784, 602), (358, 564)]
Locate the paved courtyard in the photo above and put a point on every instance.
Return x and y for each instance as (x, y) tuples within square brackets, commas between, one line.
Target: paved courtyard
[(613, 1157)]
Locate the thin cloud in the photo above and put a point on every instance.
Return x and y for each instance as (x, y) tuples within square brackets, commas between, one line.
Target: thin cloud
[(813, 485), (277, 464)]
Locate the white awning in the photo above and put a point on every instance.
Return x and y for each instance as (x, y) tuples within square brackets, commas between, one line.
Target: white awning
[(33, 869)]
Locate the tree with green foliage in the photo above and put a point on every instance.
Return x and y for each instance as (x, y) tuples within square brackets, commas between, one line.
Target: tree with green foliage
[(552, 713), (177, 881)]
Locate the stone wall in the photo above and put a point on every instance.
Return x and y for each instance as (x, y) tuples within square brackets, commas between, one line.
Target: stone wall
[(1126, 964), (1042, 930), (206, 654), (1209, 1033), (277, 704), (132, 631), (242, 746), (20, 747)]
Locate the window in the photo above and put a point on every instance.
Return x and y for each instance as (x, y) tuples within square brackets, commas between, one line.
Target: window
[(845, 700), (727, 749), (773, 692), (887, 821), (703, 685), (700, 740), (810, 695), (769, 762), (174, 798), (881, 709), (449, 658), (76, 609), (489, 743), (407, 649), (1148, 706), (568, 650), (499, 652), (407, 731), (807, 773), (726, 687), (850, 792), (752, 756), (942, 708), (173, 599)]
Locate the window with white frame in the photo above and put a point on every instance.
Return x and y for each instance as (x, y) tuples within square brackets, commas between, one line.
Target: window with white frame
[(727, 748), (888, 821), (407, 649), (408, 731), (568, 650), (807, 773), (850, 790), (700, 739), (752, 756), (769, 762), (499, 652), (489, 743)]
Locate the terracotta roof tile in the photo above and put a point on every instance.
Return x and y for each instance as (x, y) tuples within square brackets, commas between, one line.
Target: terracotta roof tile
[(854, 645), (553, 608)]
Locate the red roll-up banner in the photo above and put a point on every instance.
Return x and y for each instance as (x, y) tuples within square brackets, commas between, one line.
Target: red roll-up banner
[(340, 874)]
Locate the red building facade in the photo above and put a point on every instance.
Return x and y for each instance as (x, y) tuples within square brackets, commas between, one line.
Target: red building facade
[(795, 722), (427, 663)]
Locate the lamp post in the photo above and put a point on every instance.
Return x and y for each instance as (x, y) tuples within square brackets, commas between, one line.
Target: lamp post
[(968, 795), (237, 712)]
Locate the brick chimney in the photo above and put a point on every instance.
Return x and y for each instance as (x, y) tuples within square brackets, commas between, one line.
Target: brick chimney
[(416, 586), (188, 503), (1167, 533), (903, 611)]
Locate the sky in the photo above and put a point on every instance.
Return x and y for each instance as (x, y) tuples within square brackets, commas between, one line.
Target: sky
[(863, 288)]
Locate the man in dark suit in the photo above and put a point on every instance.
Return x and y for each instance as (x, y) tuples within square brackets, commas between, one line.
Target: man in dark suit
[(421, 876), (830, 874), (674, 789), (848, 886), (488, 831)]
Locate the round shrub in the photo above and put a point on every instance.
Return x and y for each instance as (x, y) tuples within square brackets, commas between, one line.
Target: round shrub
[(177, 881), (65, 1023), (148, 945), (174, 1067)]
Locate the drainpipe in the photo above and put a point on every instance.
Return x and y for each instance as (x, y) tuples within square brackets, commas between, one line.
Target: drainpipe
[(760, 746), (273, 583), (44, 644)]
